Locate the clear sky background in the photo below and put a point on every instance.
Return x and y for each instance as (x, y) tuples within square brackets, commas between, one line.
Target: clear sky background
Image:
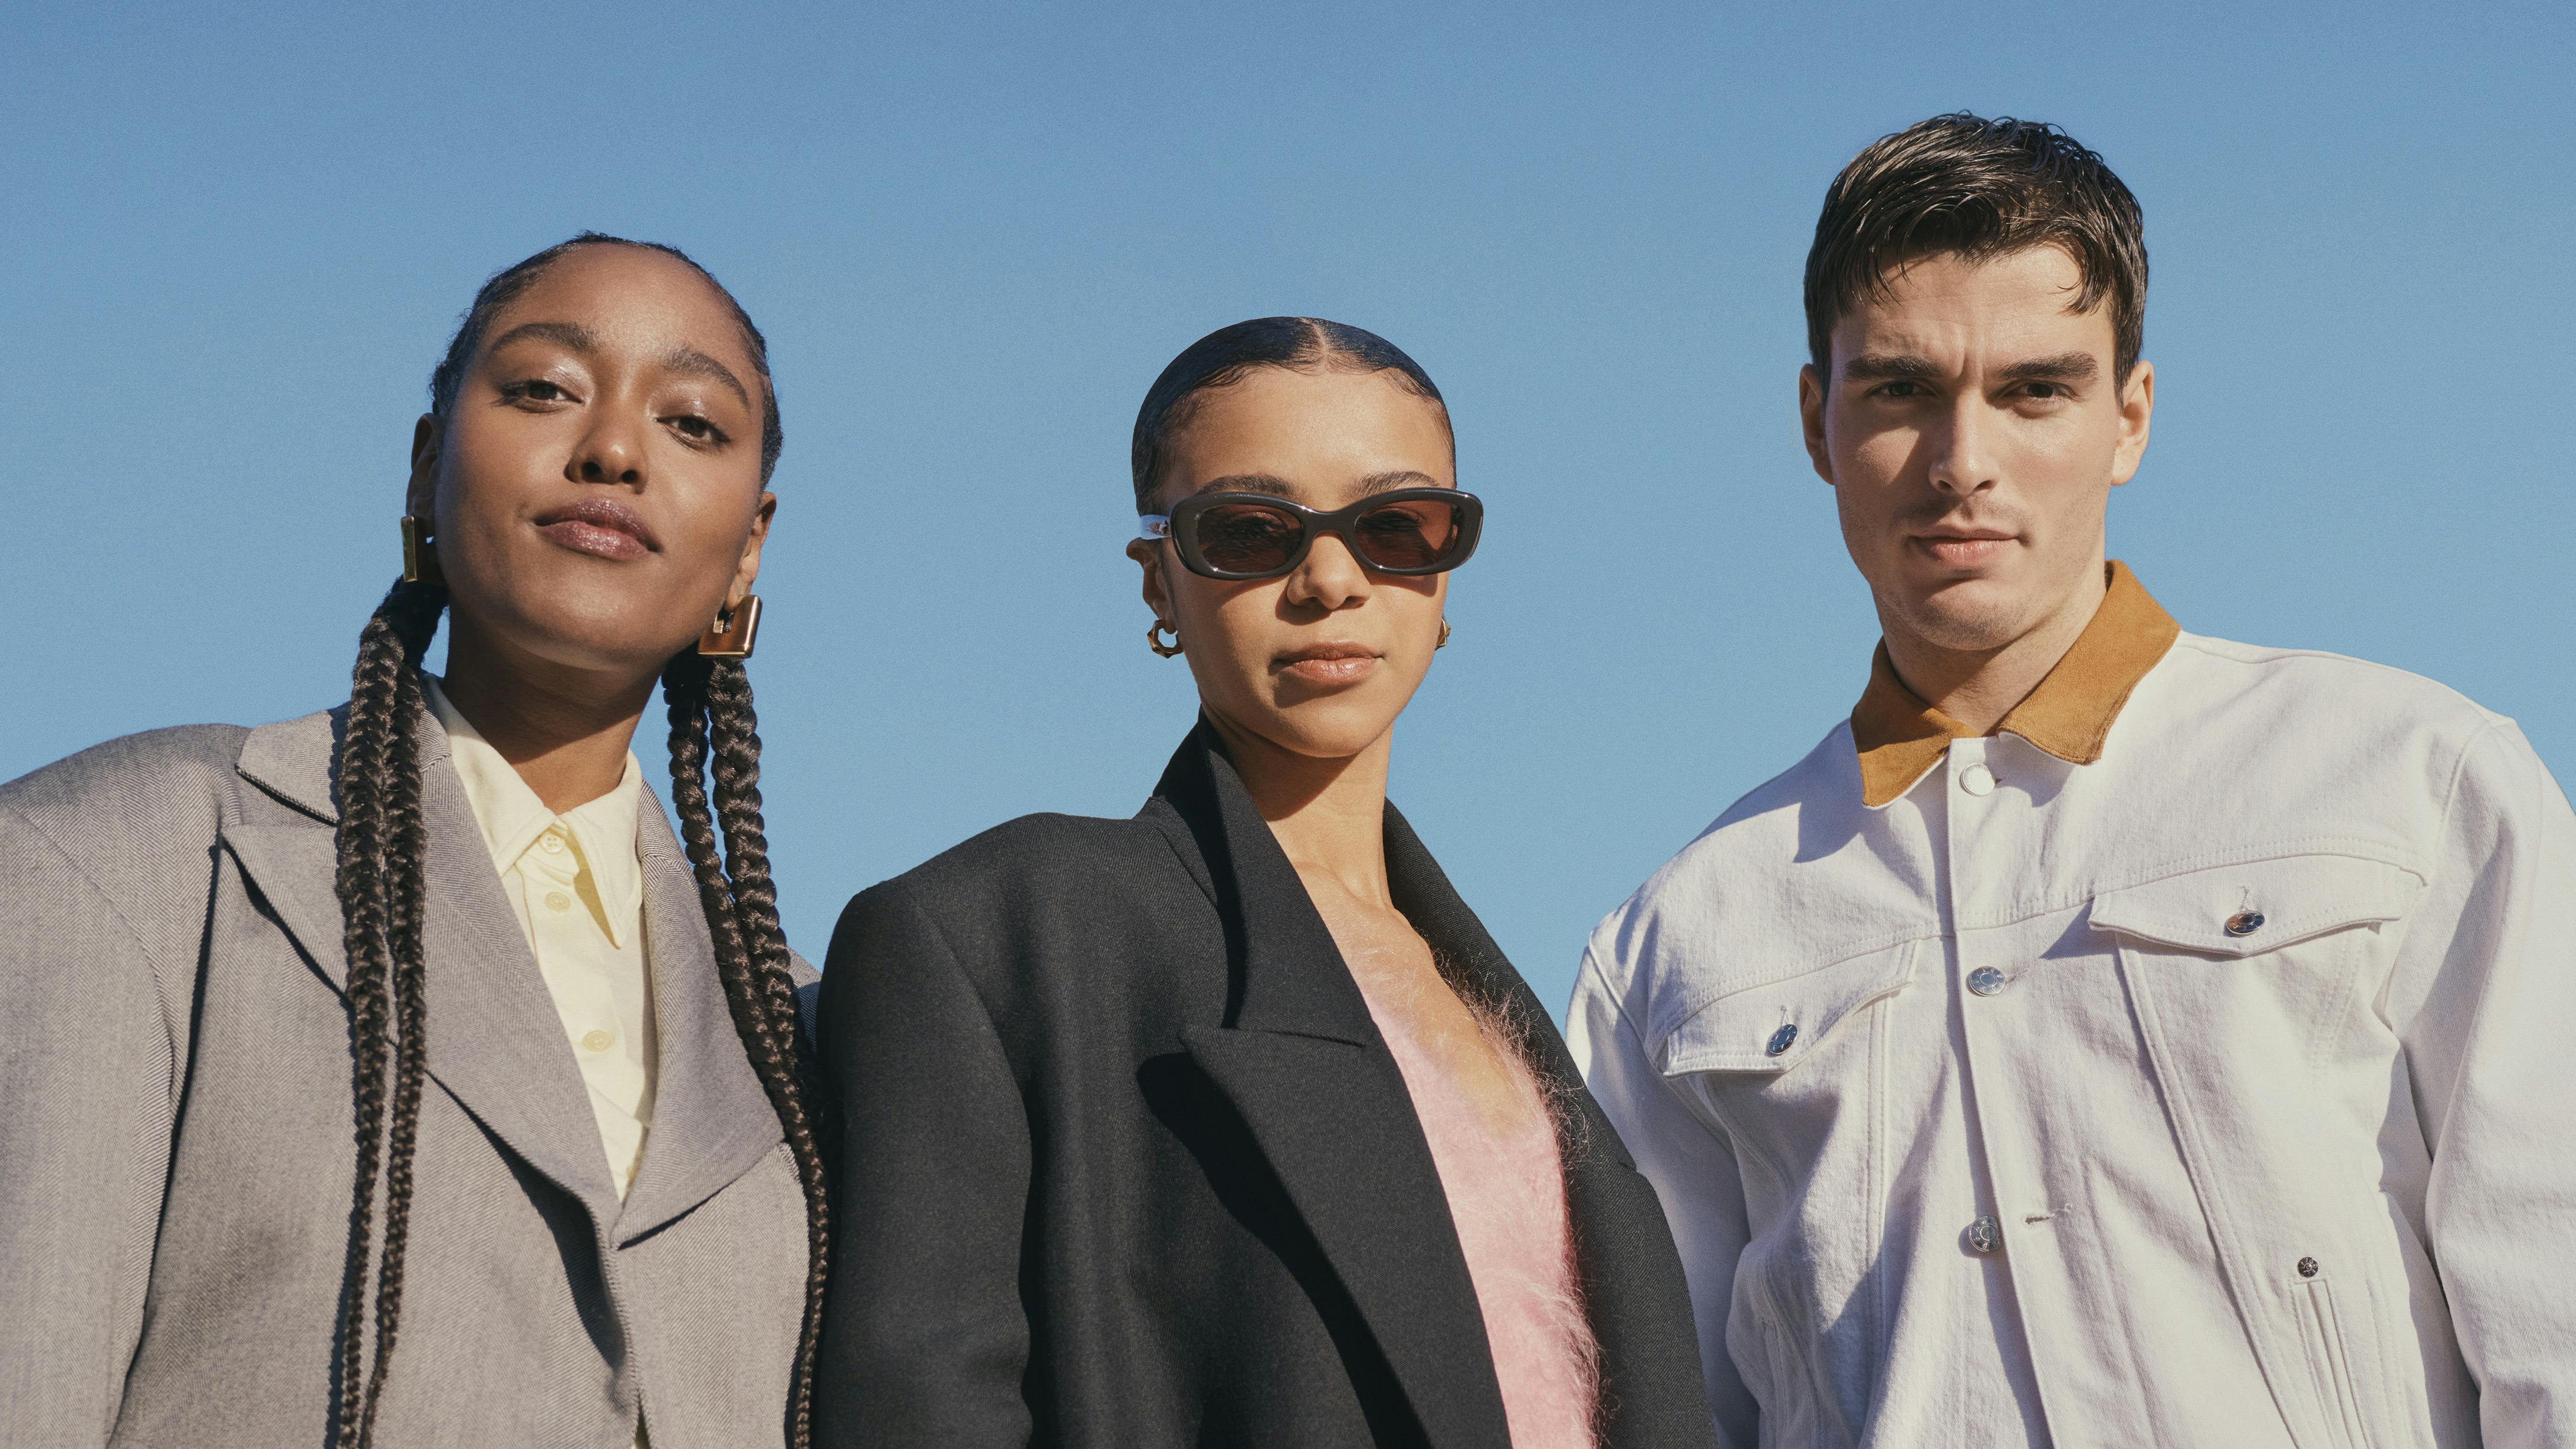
[(231, 247)]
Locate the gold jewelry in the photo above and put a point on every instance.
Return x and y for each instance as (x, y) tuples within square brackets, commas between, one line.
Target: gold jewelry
[(420, 553), (731, 635), (1444, 635), (1154, 639)]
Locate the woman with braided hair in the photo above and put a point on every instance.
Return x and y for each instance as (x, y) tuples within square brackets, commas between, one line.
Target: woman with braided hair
[(393, 1075)]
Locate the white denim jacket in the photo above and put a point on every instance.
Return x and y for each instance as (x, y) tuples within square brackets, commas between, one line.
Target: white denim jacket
[(2192, 1062)]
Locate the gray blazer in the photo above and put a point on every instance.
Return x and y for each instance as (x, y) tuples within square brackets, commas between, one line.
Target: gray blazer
[(176, 1147)]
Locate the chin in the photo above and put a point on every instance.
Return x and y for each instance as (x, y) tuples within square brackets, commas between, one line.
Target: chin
[(1327, 729), (1970, 616)]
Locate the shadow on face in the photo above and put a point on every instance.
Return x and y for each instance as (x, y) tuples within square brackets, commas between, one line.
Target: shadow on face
[(596, 484), (1320, 661)]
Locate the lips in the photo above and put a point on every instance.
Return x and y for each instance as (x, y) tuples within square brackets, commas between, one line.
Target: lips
[(1327, 664), (1963, 547), (599, 526)]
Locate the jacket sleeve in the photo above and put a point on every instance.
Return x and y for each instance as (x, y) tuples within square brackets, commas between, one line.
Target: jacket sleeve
[(1693, 1171), (925, 1340), (86, 1086), (2483, 997)]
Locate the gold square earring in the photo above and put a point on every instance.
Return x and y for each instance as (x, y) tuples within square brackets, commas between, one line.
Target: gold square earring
[(420, 553), (730, 637)]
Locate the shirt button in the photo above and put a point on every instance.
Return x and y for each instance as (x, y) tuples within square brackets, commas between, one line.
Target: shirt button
[(598, 1041), (1985, 1235), (558, 901), (553, 843), (1977, 780), (1781, 1040), (2307, 1267), (1987, 981), (2244, 923)]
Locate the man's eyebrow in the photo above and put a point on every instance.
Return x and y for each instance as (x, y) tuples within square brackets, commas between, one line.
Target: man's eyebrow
[(693, 363), (569, 334), (1889, 367), (2064, 367)]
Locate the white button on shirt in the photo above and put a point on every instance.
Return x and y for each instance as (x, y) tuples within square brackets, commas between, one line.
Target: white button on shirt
[(576, 882), (2199, 1083)]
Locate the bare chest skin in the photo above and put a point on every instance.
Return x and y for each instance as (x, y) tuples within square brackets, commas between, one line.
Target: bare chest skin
[(1394, 969)]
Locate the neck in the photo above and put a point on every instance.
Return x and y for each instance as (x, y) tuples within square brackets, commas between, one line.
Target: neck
[(1329, 814), (1978, 687), (566, 731)]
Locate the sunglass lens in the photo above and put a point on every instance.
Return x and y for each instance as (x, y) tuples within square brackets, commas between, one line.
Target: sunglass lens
[(1418, 533), (1246, 538)]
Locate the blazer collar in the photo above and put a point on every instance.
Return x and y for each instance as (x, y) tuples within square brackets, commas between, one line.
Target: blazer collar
[(1304, 1066), (495, 1039)]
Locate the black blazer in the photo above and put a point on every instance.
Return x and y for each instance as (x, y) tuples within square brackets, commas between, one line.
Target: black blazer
[(1123, 1161)]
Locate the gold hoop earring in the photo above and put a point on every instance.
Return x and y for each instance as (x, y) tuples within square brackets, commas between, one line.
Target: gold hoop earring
[(731, 636), (1154, 639), (1444, 635), (420, 553)]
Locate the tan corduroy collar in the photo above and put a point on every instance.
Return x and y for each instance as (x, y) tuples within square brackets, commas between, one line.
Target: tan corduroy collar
[(2069, 714)]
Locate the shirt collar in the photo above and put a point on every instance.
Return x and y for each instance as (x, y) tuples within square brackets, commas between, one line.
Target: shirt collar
[(512, 818), (2069, 715)]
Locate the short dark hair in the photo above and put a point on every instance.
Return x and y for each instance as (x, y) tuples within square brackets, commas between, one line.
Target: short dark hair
[(1979, 188), (1221, 358)]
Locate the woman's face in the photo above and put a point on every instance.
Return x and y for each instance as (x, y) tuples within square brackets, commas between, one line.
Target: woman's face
[(596, 485), (1321, 661)]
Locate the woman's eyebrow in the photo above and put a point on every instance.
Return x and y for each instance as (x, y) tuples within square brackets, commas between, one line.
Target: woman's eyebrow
[(568, 334), (1246, 483), (690, 362), (1401, 478)]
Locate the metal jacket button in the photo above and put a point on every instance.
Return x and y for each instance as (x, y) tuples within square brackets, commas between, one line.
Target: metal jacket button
[(2244, 923), (1987, 981), (1985, 1235), (1977, 780), (1782, 1040), (2307, 1267)]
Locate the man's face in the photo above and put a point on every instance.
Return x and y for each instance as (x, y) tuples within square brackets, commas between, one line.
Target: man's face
[(1972, 435)]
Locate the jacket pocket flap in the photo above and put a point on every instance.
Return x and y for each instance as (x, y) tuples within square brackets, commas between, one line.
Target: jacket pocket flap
[(2259, 905), (1771, 1028)]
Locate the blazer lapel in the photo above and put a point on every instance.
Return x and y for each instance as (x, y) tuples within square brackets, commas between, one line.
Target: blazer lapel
[(1304, 1066), (495, 1040), (712, 1120), (1632, 1280)]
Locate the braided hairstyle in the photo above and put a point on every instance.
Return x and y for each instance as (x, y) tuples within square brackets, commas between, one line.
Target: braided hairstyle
[(382, 850)]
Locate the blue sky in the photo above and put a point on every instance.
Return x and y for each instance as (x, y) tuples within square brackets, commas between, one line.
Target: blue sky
[(234, 244)]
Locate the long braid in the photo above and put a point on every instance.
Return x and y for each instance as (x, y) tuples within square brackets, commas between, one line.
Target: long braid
[(379, 880), (736, 737), (710, 704)]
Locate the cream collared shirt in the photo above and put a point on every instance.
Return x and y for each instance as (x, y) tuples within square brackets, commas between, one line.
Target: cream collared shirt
[(577, 884), (2186, 1063)]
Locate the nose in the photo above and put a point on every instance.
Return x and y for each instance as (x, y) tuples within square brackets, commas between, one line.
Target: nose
[(611, 451), (1330, 577), (1962, 456)]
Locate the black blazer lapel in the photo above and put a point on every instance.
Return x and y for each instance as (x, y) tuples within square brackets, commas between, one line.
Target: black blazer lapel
[(1634, 1294), (1303, 1064)]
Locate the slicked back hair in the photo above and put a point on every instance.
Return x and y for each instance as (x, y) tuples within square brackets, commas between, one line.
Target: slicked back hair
[(383, 850), (1961, 184), (1221, 358)]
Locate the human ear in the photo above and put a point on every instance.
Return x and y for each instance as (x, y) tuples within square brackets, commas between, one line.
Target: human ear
[(747, 571), (421, 496), (2137, 406), (1157, 593), (1811, 418)]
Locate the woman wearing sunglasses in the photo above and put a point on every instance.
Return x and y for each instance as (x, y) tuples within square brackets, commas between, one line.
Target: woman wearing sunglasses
[(1228, 1124)]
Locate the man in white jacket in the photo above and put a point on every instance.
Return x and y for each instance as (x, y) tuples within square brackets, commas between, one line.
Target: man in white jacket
[(2109, 1035)]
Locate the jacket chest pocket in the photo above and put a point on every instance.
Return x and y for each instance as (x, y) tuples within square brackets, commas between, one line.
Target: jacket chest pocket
[(1787, 1069), (2273, 955), (2245, 980)]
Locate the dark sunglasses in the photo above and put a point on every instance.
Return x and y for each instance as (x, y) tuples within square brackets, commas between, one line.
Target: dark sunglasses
[(1256, 536)]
